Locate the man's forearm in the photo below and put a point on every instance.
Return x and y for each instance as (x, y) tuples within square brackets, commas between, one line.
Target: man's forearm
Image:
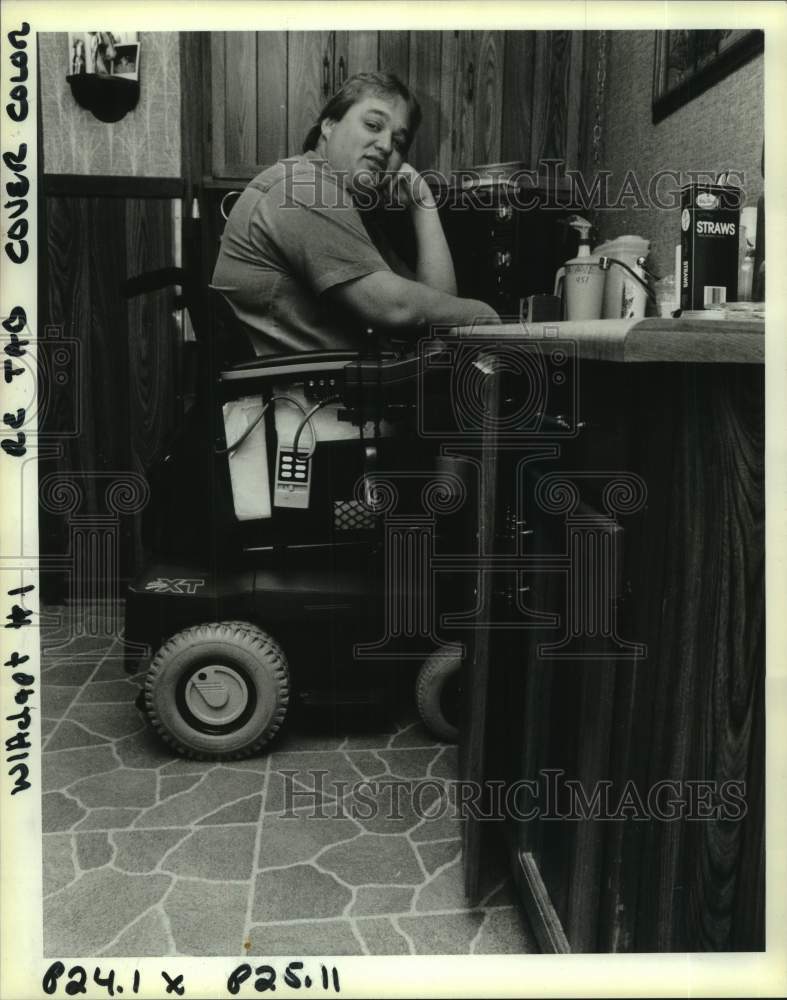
[(434, 264), (385, 298)]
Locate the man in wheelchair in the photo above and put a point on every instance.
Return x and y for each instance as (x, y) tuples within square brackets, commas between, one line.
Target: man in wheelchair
[(287, 540), (307, 261)]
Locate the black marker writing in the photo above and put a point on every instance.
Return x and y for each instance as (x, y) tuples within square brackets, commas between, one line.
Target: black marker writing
[(18, 109), (17, 248)]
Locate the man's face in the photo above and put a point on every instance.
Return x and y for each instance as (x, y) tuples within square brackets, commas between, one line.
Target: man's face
[(369, 140)]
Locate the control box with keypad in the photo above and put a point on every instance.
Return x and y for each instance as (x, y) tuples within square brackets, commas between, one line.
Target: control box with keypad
[(293, 479)]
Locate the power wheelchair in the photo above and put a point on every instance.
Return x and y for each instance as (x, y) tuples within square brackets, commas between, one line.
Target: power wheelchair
[(270, 577)]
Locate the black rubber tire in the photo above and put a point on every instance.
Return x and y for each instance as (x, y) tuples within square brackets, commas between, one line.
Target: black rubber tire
[(251, 653), (436, 688)]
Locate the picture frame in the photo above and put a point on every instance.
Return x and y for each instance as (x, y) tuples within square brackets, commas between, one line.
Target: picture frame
[(688, 62), (126, 61), (93, 52)]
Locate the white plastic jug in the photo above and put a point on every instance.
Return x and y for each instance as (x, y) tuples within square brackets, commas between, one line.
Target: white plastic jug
[(580, 283), (624, 297)]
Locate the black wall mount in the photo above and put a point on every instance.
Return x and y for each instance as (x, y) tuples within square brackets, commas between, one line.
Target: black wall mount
[(109, 98)]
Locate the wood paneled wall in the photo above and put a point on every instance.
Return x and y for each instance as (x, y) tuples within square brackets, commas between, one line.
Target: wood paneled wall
[(486, 96), (689, 710), (125, 381)]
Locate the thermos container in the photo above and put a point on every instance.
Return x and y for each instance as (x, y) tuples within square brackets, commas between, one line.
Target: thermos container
[(624, 296)]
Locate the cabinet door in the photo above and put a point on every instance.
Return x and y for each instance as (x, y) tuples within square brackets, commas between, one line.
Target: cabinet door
[(233, 88), (309, 82), (557, 95), (393, 53), (424, 80), (471, 98), (249, 91), (486, 91), (354, 52), (272, 105), (517, 101), (456, 140)]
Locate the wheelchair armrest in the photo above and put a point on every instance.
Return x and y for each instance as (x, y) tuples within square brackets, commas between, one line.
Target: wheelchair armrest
[(303, 359)]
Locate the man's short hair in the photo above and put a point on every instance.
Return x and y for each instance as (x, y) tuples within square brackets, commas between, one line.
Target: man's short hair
[(354, 90)]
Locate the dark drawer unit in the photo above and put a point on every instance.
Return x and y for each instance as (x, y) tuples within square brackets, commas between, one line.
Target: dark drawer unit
[(506, 241)]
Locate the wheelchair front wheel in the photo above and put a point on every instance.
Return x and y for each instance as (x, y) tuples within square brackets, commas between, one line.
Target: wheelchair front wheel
[(218, 691)]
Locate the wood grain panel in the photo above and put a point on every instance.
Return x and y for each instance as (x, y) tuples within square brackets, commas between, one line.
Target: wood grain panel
[(272, 72), (394, 53), (463, 116), (360, 52), (124, 373), (693, 713), (516, 119), (690, 711), (218, 103), (488, 96), (194, 52), (240, 75), (152, 345), (574, 99), (450, 85), (305, 92), (425, 67), (550, 95), (85, 266)]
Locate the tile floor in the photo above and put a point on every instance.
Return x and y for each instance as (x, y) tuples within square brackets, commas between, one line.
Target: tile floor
[(148, 854)]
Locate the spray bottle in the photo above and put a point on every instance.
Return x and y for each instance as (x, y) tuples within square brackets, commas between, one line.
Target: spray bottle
[(580, 280)]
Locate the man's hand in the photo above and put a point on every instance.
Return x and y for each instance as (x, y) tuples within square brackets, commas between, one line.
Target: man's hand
[(409, 188)]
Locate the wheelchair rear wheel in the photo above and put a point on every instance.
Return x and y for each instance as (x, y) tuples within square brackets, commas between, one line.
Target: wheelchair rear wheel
[(438, 692)]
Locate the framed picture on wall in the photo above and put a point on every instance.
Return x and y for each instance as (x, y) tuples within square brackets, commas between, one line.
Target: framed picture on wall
[(95, 51), (687, 63)]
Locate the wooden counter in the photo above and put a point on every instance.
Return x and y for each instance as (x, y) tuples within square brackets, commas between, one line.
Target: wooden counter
[(647, 675), (731, 341)]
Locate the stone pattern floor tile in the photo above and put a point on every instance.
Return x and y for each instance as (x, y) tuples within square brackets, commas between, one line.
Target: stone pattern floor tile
[(357, 852), (144, 850), (147, 936), (108, 819), (85, 916), (374, 858), (93, 850), (69, 735), (503, 932), (124, 788), (323, 937), (59, 812), (206, 918), (288, 840), (371, 900), (298, 892), (452, 934), (221, 853), (67, 766), (382, 938), (435, 854), (58, 861), (242, 811), (55, 700)]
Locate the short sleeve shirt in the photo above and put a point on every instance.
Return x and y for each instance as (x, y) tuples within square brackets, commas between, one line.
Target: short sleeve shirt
[(293, 234)]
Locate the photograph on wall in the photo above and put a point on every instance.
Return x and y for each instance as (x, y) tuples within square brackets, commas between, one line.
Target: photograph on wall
[(384, 425), (126, 61), (97, 51)]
